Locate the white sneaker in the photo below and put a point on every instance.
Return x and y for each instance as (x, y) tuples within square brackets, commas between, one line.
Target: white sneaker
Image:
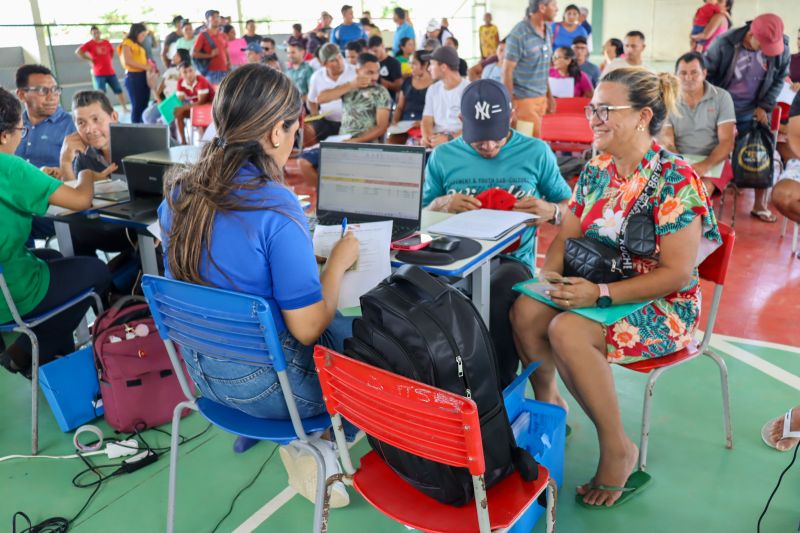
[(302, 470)]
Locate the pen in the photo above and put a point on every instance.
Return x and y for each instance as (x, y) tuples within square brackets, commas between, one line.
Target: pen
[(344, 226)]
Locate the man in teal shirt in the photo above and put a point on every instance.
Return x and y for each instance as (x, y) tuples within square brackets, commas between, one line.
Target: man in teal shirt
[(489, 154)]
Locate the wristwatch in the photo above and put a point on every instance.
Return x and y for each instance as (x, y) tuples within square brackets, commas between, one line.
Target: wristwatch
[(605, 298)]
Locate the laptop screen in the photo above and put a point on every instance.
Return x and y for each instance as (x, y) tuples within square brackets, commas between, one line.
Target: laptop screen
[(371, 179), (131, 139)]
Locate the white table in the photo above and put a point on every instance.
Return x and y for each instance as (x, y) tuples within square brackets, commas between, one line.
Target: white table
[(477, 269)]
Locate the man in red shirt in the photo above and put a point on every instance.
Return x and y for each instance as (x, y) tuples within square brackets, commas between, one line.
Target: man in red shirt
[(211, 50), (193, 90), (99, 53)]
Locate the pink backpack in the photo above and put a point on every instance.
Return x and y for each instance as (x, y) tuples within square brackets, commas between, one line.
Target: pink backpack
[(137, 382)]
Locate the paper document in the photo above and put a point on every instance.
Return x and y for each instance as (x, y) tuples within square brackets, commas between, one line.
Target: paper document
[(155, 230), (401, 127), (787, 94), (482, 224), (338, 138), (562, 87), (373, 264)]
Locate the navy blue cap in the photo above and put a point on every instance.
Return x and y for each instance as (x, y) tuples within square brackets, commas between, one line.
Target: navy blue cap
[(253, 47), (485, 111)]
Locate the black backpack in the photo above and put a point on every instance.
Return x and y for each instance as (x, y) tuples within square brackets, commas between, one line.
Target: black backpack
[(419, 327)]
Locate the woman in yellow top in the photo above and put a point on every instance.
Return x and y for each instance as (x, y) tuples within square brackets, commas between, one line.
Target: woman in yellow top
[(134, 60)]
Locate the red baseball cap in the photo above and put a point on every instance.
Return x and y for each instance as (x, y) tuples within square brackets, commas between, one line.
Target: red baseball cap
[(768, 29)]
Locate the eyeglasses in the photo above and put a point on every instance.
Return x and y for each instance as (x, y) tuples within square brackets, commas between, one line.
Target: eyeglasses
[(602, 111), (44, 91), (23, 131), (557, 57)]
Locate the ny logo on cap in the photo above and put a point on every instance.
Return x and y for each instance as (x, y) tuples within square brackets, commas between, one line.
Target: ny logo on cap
[(484, 112)]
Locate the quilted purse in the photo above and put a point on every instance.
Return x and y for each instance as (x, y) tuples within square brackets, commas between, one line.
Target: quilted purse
[(599, 263)]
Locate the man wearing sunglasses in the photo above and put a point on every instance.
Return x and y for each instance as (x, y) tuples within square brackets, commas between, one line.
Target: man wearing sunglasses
[(46, 121), (490, 155)]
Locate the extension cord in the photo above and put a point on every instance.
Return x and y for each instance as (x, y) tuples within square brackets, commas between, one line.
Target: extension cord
[(122, 448)]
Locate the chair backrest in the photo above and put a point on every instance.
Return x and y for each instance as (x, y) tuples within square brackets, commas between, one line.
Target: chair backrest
[(215, 322), (572, 105), (409, 415), (12, 307), (715, 266)]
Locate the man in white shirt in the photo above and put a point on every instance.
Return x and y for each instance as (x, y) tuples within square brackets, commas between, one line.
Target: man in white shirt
[(634, 48), (335, 72), (440, 117)]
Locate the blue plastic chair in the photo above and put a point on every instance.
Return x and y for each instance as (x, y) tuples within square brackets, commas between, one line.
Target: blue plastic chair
[(20, 325), (239, 328)]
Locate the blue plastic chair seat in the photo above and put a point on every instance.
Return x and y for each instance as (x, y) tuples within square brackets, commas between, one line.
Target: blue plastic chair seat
[(9, 326), (236, 422)]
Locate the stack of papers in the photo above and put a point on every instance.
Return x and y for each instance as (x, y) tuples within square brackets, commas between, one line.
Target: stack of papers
[(373, 264), (401, 127), (482, 224)]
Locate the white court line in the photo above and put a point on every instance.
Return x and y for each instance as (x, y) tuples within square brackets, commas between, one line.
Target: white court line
[(260, 516), (756, 362), (763, 344)]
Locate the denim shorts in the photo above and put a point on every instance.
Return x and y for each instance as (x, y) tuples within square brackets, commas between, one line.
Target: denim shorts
[(255, 390), (100, 83)]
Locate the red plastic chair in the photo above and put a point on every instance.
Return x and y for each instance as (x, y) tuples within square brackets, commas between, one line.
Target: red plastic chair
[(714, 269), (571, 105), (201, 117), (428, 422)]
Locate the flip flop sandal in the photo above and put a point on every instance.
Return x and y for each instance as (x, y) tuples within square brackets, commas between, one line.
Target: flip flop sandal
[(764, 216), (637, 483), (766, 431)]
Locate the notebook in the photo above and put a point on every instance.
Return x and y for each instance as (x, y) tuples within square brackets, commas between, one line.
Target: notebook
[(481, 224), (605, 316)]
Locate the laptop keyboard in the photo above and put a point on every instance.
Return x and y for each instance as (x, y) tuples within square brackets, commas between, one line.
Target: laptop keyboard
[(399, 231)]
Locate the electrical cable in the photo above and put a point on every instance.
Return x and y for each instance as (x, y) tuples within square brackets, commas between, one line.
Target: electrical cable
[(60, 524), (775, 490), (250, 484)]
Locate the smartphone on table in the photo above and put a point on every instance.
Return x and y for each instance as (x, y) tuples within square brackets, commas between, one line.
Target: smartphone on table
[(416, 241)]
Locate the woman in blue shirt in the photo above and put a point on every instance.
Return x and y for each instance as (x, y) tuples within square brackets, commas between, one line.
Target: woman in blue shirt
[(569, 28), (230, 222)]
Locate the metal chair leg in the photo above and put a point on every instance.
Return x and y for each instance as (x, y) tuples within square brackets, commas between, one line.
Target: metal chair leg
[(173, 462), (726, 401), (550, 513), (34, 391), (322, 477), (645, 437)]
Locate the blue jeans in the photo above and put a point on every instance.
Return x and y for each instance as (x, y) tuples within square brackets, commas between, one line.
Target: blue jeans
[(216, 76), (255, 390), (139, 94)]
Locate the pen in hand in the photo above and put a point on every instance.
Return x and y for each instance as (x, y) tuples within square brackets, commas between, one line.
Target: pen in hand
[(344, 226)]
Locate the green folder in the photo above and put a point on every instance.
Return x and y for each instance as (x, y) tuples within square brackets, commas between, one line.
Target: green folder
[(168, 106), (605, 316)]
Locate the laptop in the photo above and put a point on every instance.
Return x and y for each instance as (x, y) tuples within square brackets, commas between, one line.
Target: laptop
[(132, 139), (145, 175), (371, 183)]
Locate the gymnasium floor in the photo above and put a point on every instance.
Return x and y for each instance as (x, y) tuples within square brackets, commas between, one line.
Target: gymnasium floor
[(698, 485)]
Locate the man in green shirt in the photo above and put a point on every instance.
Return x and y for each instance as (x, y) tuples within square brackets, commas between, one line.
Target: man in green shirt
[(365, 103), (299, 71)]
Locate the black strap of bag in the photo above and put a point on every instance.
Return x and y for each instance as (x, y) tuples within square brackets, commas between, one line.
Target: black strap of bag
[(639, 208)]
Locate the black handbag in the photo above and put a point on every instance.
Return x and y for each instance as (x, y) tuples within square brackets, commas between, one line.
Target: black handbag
[(598, 263)]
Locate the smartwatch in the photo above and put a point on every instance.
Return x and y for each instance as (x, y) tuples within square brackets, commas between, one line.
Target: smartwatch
[(605, 298)]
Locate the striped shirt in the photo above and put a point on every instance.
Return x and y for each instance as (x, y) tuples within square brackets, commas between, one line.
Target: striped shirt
[(531, 52)]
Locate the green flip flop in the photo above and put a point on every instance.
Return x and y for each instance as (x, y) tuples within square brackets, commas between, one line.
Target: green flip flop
[(637, 482)]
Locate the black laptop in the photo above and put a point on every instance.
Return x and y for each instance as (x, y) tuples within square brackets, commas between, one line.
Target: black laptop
[(371, 183)]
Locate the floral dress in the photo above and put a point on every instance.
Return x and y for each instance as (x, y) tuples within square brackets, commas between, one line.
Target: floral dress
[(601, 200)]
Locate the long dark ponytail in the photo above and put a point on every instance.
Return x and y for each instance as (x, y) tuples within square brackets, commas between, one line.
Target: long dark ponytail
[(573, 70), (251, 101)]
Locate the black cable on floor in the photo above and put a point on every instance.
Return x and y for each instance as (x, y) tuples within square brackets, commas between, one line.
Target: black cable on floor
[(241, 491), (775, 490)]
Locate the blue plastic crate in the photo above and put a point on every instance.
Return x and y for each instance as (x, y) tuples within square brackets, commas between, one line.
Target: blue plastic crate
[(540, 429), (70, 385)]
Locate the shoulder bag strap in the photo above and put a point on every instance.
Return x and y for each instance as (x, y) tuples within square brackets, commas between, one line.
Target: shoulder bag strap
[(209, 40), (640, 206)]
